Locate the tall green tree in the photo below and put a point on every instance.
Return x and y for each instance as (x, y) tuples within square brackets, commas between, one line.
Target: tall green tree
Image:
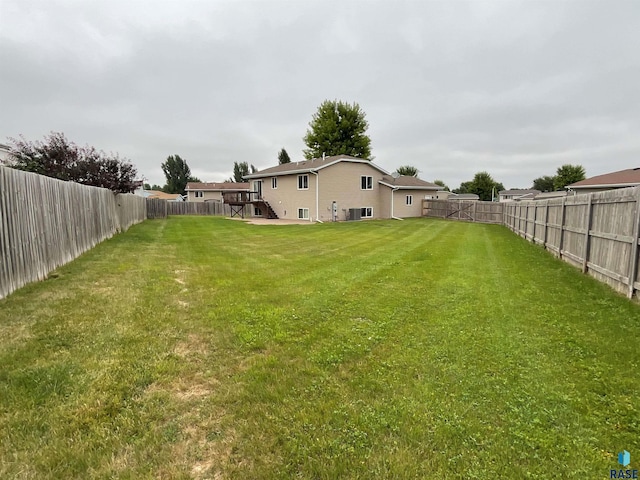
[(544, 184), (482, 185), (338, 128), (568, 174), (283, 157), (59, 158), (407, 170), (177, 173), (442, 184), (240, 169)]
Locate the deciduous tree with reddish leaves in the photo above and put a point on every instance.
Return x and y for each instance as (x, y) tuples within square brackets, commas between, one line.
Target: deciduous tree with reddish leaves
[(59, 158)]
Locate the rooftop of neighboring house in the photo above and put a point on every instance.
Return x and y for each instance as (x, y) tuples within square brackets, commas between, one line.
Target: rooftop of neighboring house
[(162, 195), (518, 192), (217, 186), (408, 182), (548, 195), (309, 166), (623, 178)]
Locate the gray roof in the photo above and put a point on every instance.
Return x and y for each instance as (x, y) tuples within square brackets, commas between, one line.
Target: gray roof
[(406, 182), (515, 191), (309, 166), (623, 178), (217, 186)]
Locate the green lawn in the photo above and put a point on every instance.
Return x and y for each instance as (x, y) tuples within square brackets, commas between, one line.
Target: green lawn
[(200, 347)]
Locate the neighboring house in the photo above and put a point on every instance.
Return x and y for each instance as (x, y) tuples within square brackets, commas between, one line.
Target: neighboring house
[(171, 197), (212, 192), (515, 195), (550, 195), (5, 152), (337, 188), (608, 181), (445, 195)]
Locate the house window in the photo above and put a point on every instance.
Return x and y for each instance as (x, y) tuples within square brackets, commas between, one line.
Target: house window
[(274, 182), (366, 212), (409, 200), (199, 194), (303, 182), (303, 213), (366, 183), (257, 212)]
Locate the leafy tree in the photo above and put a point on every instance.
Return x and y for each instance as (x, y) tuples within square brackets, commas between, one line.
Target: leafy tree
[(59, 158), (177, 173), (338, 128), (482, 185), (407, 170), (568, 174), (283, 157), (544, 184), (442, 184), (240, 170), (155, 187)]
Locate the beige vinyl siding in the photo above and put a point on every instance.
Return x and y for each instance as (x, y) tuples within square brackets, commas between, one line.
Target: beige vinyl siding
[(400, 207), (208, 196), (287, 199), (342, 182)]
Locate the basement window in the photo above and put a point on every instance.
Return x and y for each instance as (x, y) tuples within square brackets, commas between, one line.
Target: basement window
[(366, 212), (303, 213)]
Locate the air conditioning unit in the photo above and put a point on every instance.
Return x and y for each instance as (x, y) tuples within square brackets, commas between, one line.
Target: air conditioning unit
[(355, 214)]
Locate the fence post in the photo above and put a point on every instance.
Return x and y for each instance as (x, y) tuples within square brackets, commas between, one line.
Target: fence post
[(475, 207), (587, 225), (535, 218), (633, 261), (546, 222), (562, 216)]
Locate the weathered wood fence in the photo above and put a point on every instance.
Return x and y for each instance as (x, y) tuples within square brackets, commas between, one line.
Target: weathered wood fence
[(159, 208), (45, 223), (471, 210), (596, 232)]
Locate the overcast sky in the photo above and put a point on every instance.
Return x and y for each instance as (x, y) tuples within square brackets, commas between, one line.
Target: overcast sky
[(516, 88)]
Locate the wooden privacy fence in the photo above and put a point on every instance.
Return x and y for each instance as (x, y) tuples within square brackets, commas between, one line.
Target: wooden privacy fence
[(159, 208), (597, 232), (471, 210), (45, 223)]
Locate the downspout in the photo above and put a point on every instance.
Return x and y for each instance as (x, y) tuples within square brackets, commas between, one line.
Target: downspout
[(317, 192), (392, 192)]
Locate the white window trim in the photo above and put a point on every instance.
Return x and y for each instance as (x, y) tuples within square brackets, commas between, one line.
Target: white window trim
[(303, 211), (199, 194), (408, 200), (369, 184), (365, 209), (307, 182), (274, 183)]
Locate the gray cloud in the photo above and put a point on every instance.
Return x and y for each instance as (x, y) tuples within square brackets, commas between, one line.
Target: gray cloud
[(514, 88)]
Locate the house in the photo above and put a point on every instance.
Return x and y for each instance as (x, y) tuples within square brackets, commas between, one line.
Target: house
[(170, 197), (516, 195), (609, 181), (551, 195), (337, 188), (212, 192), (446, 195), (5, 152)]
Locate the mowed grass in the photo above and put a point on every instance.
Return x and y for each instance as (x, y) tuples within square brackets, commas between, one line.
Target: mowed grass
[(201, 347)]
